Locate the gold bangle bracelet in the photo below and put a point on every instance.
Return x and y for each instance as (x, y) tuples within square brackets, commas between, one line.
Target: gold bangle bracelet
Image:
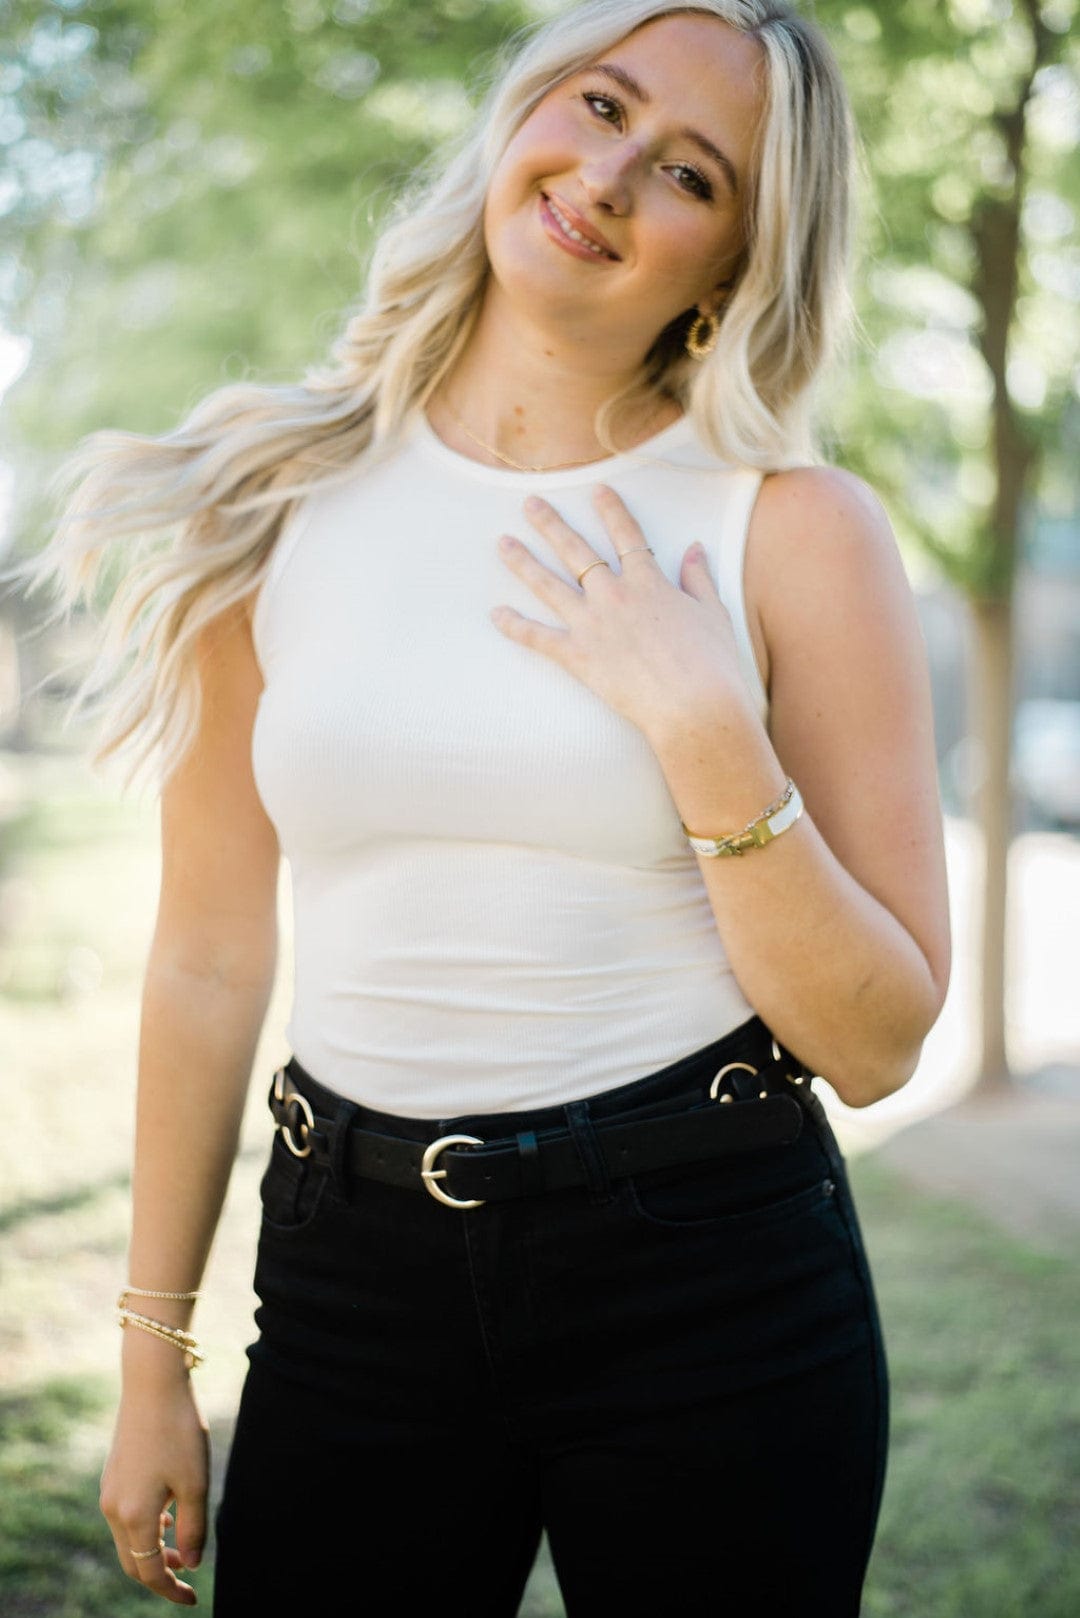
[(182, 1340), (178, 1336)]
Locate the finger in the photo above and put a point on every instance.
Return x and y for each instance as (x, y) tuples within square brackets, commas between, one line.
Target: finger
[(191, 1527), (626, 532), (565, 541), (545, 585), (527, 632), (162, 1580), (695, 575), (135, 1532), (159, 1574)]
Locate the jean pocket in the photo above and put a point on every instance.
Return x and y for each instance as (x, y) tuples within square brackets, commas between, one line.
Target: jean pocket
[(700, 1194), (292, 1191)]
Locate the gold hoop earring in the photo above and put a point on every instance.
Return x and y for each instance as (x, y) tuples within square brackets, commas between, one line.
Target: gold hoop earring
[(697, 345)]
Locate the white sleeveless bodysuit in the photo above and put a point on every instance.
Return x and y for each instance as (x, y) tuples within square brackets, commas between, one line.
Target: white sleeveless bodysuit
[(495, 907)]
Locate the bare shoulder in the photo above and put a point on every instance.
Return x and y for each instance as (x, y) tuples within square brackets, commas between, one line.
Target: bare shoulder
[(825, 491), (820, 543), (816, 522)]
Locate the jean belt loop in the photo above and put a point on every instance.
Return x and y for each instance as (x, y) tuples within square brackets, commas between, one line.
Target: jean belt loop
[(589, 1151), (335, 1155), (532, 1173)]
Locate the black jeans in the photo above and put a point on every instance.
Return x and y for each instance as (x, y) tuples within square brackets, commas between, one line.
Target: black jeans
[(681, 1377)]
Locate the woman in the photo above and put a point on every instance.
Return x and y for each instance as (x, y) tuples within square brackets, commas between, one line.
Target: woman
[(520, 1265)]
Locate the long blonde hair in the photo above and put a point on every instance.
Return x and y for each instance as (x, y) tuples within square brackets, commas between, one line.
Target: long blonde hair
[(221, 485)]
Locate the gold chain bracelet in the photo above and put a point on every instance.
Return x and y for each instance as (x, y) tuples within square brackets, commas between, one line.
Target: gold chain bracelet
[(783, 812), (148, 1292)]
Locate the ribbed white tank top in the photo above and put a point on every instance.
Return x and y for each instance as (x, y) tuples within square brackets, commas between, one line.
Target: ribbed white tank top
[(494, 904)]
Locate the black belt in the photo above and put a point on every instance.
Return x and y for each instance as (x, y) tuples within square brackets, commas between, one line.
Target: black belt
[(748, 1108)]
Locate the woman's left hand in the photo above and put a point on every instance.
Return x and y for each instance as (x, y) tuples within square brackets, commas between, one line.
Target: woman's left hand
[(653, 651)]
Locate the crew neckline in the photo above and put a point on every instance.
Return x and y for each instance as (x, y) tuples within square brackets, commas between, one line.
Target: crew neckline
[(510, 477)]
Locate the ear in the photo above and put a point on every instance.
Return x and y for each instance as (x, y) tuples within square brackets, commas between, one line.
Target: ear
[(724, 289), (714, 303)]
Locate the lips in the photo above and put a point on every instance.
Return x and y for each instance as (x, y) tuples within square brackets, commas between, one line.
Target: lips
[(580, 224)]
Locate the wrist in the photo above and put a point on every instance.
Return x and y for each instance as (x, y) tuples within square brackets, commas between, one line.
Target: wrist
[(729, 715), (721, 773), (147, 1362)]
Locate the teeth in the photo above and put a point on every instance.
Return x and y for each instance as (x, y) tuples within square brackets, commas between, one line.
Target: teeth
[(575, 235)]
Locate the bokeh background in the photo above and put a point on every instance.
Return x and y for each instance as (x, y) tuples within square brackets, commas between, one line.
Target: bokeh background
[(188, 192)]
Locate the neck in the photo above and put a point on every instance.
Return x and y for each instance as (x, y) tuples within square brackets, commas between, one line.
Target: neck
[(532, 395)]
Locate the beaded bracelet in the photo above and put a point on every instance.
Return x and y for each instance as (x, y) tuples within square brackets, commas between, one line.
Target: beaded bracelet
[(183, 1340)]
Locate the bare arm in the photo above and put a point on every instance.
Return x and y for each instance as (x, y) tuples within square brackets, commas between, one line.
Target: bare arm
[(838, 932), (209, 976)]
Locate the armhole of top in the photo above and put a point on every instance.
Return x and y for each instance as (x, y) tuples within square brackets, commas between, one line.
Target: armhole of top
[(731, 547), (284, 546)]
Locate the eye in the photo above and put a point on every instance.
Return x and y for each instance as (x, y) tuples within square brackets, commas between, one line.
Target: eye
[(699, 186), (592, 96)]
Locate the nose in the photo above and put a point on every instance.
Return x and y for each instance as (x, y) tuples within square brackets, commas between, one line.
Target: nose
[(608, 180)]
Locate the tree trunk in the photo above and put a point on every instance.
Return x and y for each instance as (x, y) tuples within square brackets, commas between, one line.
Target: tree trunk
[(996, 237), (992, 689)]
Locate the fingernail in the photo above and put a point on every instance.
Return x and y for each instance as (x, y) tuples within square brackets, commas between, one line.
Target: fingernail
[(192, 1558)]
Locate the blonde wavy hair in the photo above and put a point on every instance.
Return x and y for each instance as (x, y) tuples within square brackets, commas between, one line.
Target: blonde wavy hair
[(220, 487)]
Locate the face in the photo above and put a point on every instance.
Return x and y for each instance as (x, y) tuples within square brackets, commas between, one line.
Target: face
[(661, 185)]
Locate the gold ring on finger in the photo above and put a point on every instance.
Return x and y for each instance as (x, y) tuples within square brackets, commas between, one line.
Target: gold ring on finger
[(634, 548), (600, 563), (141, 1555)]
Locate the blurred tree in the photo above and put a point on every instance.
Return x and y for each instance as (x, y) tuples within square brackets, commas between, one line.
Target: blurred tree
[(192, 187), (189, 194), (970, 116)]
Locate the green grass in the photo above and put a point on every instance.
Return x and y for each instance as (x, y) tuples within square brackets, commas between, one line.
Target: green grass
[(54, 1557), (981, 1511)]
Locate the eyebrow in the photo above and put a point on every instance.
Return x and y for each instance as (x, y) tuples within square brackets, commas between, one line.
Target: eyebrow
[(612, 70)]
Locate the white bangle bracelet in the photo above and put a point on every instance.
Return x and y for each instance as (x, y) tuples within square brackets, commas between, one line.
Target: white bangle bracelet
[(759, 832)]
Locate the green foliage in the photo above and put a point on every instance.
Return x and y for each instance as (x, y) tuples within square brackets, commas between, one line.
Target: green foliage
[(196, 186), (936, 89), (194, 191)]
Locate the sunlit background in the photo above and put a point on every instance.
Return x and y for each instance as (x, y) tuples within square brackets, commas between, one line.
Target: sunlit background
[(187, 196)]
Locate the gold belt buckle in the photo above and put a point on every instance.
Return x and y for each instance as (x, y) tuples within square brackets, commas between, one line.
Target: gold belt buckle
[(429, 1174), (729, 1067), (746, 1067), (287, 1096)]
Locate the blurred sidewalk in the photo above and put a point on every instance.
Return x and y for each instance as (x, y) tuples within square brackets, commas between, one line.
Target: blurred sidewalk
[(1017, 1160), (1014, 1157)]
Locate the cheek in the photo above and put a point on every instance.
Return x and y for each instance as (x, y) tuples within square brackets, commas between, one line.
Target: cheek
[(542, 147), (537, 152), (682, 250)]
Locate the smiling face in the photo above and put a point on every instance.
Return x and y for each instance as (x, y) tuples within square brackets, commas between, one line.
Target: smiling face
[(646, 153)]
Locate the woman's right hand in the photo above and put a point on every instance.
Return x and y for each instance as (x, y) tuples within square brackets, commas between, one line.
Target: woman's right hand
[(160, 1453)]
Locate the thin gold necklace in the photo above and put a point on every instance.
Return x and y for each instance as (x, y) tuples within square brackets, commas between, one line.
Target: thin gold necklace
[(519, 466)]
